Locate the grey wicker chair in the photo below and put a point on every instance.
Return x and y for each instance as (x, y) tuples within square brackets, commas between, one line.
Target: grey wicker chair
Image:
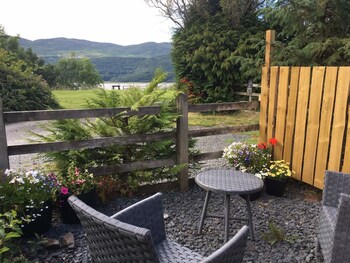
[(137, 234), (334, 227)]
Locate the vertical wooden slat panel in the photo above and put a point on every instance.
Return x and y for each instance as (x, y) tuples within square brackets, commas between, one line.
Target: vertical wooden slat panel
[(346, 164), (313, 124), (291, 112), (272, 103), (325, 125), (264, 98), (339, 119), (300, 125), (281, 111)]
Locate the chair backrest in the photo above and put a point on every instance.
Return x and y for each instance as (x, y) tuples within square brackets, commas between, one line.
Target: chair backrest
[(232, 251), (147, 213), (335, 183), (111, 240)]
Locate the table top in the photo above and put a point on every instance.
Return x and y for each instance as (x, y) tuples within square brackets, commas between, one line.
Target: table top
[(229, 181)]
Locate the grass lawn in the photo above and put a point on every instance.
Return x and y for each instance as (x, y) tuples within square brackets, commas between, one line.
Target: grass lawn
[(76, 99), (73, 99)]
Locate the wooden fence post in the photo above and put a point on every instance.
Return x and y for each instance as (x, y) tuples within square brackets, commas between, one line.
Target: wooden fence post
[(270, 38), (4, 158), (182, 141)]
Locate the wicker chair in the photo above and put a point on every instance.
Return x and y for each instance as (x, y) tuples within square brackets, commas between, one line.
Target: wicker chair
[(334, 226), (137, 234)]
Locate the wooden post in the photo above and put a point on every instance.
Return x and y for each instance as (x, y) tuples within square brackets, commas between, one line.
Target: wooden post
[(4, 158), (270, 38), (182, 141)]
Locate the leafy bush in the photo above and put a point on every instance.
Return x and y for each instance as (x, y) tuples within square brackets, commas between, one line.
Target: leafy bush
[(119, 125), (20, 89), (9, 229)]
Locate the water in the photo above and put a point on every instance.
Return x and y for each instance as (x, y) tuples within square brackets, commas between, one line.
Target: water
[(125, 85)]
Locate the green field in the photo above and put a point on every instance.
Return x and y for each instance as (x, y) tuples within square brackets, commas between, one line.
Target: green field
[(73, 99), (76, 99)]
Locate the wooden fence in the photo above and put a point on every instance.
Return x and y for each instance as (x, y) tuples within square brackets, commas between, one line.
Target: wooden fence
[(181, 134), (307, 110)]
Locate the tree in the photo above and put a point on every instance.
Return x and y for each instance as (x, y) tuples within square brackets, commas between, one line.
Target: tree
[(214, 48), (73, 73), (310, 32), (20, 87)]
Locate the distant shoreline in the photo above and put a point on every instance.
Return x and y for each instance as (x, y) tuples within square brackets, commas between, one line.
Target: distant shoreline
[(125, 85)]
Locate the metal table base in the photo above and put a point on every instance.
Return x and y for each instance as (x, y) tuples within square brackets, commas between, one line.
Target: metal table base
[(226, 215)]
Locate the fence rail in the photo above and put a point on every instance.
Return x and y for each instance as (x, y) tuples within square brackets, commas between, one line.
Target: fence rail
[(181, 134)]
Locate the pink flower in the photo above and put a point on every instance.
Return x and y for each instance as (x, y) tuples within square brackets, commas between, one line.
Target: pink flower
[(76, 171), (64, 190), (80, 181)]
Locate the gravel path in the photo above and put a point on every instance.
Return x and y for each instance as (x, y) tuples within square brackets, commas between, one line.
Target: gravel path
[(296, 214)]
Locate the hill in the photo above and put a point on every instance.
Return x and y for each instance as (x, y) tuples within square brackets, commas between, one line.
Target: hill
[(132, 63)]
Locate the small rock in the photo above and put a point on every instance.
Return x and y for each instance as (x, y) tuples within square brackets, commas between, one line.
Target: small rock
[(68, 240), (165, 216)]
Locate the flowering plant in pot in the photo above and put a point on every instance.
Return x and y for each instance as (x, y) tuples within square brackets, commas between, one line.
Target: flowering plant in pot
[(30, 194), (79, 182), (250, 158), (276, 176)]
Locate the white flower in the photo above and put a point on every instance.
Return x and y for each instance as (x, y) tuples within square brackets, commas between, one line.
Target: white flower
[(8, 172), (17, 179)]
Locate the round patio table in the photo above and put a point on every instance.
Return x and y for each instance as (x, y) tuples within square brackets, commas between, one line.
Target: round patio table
[(229, 182)]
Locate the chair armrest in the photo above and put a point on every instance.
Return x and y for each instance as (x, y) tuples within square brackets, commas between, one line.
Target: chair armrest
[(335, 183), (341, 239), (147, 213), (232, 251)]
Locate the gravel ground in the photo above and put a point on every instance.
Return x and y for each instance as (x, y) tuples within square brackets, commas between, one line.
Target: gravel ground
[(296, 214)]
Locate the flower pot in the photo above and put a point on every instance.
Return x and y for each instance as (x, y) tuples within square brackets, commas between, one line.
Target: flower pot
[(275, 187), (254, 196), (39, 224), (67, 213)]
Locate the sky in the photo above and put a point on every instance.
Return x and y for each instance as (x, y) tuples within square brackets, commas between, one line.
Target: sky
[(122, 22)]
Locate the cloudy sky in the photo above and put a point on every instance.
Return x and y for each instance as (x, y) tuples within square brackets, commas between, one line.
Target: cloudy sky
[(122, 22)]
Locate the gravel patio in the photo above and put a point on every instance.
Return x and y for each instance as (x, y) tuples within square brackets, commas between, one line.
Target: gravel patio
[(296, 214)]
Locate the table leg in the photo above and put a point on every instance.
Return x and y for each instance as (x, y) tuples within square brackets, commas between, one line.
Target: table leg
[(227, 216), (250, 219), (204, 212)]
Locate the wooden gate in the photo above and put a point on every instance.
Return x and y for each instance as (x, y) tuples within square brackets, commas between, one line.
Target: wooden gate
[(307, 110)]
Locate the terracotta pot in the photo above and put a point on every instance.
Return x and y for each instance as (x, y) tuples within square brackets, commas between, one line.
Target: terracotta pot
[(41, 224), (67, 213), (275, 187)]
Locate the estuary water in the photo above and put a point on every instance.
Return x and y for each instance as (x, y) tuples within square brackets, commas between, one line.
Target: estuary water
[(125, 85)]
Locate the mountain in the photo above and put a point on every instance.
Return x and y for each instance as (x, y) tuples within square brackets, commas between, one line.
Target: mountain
[(114, 62)]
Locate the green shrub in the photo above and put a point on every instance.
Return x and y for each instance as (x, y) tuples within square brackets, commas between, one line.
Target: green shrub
[(121, 125)]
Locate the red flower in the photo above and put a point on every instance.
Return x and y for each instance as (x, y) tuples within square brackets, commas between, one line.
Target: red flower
[(273, 141), (262, 145)]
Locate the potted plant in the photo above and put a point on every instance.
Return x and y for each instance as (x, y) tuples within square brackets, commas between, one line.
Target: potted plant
[(77, 182), (30, 194), (249, 158), (276, 176)]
